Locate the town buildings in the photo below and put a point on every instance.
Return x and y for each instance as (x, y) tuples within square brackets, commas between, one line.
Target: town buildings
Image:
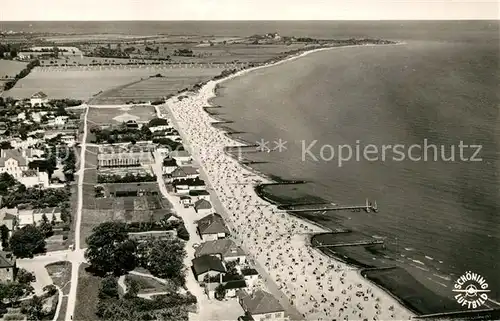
[(39, 99), (261, 305), (7, 267), (125, 155), (212, 227), (203, 207), (207, 266), (225, 249), (12, 162)]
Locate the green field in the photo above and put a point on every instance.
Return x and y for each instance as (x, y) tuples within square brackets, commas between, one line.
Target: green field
[(151, 89), (78, 82), (10, 68)]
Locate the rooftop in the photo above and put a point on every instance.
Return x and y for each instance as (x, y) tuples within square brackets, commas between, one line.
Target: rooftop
[(259, 302), (39, 94), (207, 263), (202, 204), (224, 247), (7, 260), (249, 272), (199, 193), (212, 224)]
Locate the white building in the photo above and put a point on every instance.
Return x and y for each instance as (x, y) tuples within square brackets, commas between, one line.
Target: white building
[(12, 162), (37, 117), (69, 140), (203, 207), (35, 216), (168, 166), (24, 144), (181, 156), (39, 99), (33, 178), (58, 121)]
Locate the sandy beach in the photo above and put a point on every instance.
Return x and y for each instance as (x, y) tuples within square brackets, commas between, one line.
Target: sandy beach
[(321, 288)]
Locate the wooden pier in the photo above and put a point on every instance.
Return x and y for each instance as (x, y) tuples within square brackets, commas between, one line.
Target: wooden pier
[(367, 242), (367, 207)]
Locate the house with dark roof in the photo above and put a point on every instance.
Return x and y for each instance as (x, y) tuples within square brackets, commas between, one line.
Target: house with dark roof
[(231, 288), (169, 165), (199, 194), (182, 172), (39, 99), (260, 305), (203, 207), (207, 266), (225, 249), (250, 275), (212, 227), (7, 267)]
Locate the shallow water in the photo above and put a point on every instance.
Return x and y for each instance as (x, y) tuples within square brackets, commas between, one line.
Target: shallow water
[(441, 215)]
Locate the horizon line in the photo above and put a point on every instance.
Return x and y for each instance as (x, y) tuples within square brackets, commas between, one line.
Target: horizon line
[(252, 20)]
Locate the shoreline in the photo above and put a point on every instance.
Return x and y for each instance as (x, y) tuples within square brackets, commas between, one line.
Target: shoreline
[(202, 99)]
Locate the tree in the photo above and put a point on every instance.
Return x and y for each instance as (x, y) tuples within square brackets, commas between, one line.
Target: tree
[(13, 291), (34, 308), (108, 288), (165, 259), (182, 232), (220, 292), (132, 288), (4, 234), (25, 277), (110, 250), (27, 242), (46, 226), (50, 289)]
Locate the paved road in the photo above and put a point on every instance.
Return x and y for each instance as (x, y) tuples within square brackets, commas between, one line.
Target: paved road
[(189, 216), (76, 257)]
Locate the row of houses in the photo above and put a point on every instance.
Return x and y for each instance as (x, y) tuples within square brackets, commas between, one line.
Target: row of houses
[(210, 267), (14, 218)]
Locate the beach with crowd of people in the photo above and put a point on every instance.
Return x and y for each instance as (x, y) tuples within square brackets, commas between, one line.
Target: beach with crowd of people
[(320, 287)]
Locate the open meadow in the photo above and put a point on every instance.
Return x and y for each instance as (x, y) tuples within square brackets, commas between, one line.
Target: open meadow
[(10, 68), (154, 88), (77, 82)]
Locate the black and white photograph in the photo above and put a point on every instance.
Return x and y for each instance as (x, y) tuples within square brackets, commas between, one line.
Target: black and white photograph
[(249, 160)]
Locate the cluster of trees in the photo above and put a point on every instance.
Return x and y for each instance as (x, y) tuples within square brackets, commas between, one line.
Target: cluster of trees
[(13, 291), (128, 178), (23, 73), (28, 241), (111, 252), (171, 307), (35, 197), (225, 73), (10, 49), (108, 52), (121, 134), (183, 53)]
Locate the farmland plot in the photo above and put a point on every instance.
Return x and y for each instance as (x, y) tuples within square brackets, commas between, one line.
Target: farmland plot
[(173, 80), (77, 82), (10, 68)]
